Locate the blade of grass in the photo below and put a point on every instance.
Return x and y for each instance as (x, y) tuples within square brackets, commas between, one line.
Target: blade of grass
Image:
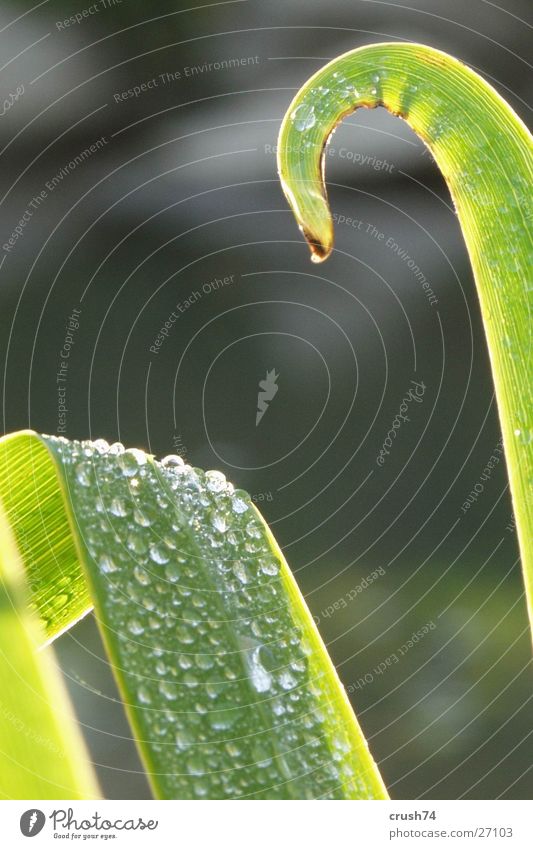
[(35, 508), (226, 682), (42, 753), (486, 156)]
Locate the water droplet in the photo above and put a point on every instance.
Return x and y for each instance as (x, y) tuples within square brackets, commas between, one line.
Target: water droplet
[(261, 755), (143, 694), (238, 502), (201, 788), (142, 576), (287, 680), (141, 518), (59, 600), (136, 543), (198, 601), (304, 117), (222, 720), (116, 448), (204, 661), (183, 739), (84, 474), (173, 572), (215, 481), (218, 520), (158, 554), (168, 690), (101, 446), (184, 635), (185, 661), (195, 765), (269, 566), (260, 678), (254, 529), (118, 507), (278, 708), (130, 461), (171, 461), (107, 564), (135, 627), (239, 570)]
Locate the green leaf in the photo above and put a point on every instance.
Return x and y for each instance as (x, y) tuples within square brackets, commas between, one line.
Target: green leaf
[(486, 156), (35, 506), (225, 680), (42, 753)]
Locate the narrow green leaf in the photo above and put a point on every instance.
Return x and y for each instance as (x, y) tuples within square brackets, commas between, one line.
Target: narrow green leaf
[(35, 507), (226, 682), (41, 751), (486, 156)]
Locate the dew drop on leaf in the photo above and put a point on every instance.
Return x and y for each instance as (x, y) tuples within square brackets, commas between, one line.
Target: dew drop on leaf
[(107, 564), (158, 554), (135, 627), (130, 460), (304, 117), (84, 474), (168, 690), (143, 694)]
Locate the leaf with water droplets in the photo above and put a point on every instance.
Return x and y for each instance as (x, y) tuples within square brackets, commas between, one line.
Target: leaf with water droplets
[(225, 680)]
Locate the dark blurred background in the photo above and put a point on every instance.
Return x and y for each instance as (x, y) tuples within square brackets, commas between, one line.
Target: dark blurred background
[(179, 192)]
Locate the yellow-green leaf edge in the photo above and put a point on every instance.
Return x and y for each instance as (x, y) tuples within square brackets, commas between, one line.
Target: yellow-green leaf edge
[(41, 750)]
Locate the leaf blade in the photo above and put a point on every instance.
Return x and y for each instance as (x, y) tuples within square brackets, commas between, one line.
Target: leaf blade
[(30, 490), (485, 153), (223, 675), (43, 756)]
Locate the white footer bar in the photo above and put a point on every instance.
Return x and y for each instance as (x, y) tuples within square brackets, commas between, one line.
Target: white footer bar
[(266, 825)]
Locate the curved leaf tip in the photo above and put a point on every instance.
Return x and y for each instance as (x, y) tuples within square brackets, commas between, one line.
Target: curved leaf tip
[(485, 153), (454, 111)]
